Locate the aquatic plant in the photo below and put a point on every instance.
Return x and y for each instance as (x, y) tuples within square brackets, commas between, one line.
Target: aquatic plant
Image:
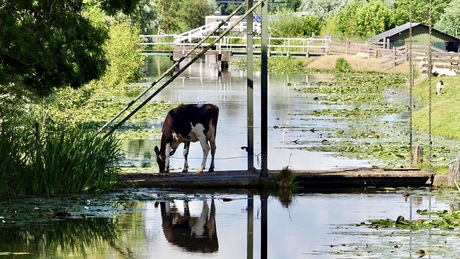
[(443, 219), (70, 160), (284, 186)]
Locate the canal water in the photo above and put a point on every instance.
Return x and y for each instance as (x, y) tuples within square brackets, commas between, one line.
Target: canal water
[(150, 223), (204, 83), (156, 223)]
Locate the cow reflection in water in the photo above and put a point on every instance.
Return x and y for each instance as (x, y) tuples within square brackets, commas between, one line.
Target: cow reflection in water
[(195, 234)]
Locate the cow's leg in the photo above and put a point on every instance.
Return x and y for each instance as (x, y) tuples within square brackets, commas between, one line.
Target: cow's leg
[(167, 155), (213, 153), (186, 148), (206, 148)]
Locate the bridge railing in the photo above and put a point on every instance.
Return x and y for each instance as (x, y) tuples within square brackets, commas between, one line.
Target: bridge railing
[(237, 44), (199, 33), (287, 46)]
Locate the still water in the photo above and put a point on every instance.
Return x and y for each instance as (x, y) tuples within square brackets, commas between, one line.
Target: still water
[(149, 223), (203, 82)]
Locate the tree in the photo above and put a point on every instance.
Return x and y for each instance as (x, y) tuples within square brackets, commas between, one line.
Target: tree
[(323, 9), (360, 19), (449, 21), (288, 25), (193, 13), (420, 10), (373, 18), (345, 20), (167, 10), (50, 44)]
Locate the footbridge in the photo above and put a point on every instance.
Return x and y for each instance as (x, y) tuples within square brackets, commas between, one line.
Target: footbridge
[(176, 45)]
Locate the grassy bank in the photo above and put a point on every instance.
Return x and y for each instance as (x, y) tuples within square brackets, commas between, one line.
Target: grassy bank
[(445, 108)]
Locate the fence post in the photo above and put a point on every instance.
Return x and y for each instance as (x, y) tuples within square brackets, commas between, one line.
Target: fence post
[(453, 172), (417, 155)]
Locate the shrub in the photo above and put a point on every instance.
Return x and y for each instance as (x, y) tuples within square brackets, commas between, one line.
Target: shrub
[(342, 65)]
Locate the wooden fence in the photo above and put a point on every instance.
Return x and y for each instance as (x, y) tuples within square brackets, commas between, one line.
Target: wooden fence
[(392, 57), (350, 48)]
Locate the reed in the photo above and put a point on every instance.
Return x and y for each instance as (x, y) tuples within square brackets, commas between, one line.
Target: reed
[(73, 160)]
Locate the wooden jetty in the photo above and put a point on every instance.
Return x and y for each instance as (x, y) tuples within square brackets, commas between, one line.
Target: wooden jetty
[(340, 178)]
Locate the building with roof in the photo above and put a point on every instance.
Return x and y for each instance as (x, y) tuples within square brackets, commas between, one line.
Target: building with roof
[(399, 36)]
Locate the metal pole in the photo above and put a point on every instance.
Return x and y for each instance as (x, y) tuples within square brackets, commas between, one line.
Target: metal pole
[(250, 87), (264, 89)]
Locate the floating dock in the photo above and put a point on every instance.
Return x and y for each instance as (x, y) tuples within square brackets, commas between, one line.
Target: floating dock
[(309, 179)]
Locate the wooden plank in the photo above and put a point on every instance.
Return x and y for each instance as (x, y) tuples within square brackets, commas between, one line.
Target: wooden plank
[(304, 178)]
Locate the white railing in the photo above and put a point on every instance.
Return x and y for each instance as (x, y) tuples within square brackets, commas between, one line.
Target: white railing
[(237, 43), (201, 32), (282, 45)]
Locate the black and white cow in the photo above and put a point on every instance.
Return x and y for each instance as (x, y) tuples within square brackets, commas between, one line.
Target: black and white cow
[(184, 124)]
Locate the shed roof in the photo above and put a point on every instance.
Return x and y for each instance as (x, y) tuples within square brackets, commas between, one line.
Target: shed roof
[(401, 28)]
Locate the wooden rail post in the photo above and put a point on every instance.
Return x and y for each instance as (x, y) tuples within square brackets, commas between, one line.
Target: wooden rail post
[(417, 155), (453, 172)]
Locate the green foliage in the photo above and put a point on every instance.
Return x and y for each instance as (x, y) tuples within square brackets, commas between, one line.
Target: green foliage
[(346, 24), (288, 25), (364, 19), (51, 44), (14, 100), (449, 22), (342, 65), (420, 10), (281, 64), (123, 52), (323, 9), (66, 161), (178, 16)]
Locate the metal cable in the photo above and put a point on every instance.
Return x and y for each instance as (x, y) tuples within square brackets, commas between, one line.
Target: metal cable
[(430, 66)]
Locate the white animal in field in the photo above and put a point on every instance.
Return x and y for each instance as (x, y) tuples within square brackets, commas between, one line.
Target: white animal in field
[(442, 71), (362, 55), (439, 87)]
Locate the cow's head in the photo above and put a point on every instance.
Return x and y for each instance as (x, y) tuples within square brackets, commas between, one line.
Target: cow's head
[(160, 159)]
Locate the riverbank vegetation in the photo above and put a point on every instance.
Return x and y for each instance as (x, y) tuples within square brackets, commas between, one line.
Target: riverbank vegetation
[(49, 87), (58, 63)]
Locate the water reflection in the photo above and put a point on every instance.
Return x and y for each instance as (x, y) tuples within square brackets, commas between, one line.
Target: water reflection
[(324, 224), (195, 234)]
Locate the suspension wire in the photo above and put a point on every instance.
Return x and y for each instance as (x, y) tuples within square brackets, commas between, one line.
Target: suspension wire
[(199, 55), (172, 68), (411, 85), (430, 67)]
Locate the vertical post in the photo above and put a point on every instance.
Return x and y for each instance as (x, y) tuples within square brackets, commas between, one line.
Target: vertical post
[(250, 87), (264, 226), (250, 227), (264, 89)]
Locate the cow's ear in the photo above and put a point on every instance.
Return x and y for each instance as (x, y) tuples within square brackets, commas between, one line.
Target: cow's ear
[(157, 151)]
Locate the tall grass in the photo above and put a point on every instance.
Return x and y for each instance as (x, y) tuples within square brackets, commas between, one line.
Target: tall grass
[(73, 160)]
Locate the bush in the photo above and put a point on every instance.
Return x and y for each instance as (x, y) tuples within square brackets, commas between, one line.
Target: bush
[(342, 65)]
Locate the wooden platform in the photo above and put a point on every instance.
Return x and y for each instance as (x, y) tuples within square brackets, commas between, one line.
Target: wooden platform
[(311, 179)]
